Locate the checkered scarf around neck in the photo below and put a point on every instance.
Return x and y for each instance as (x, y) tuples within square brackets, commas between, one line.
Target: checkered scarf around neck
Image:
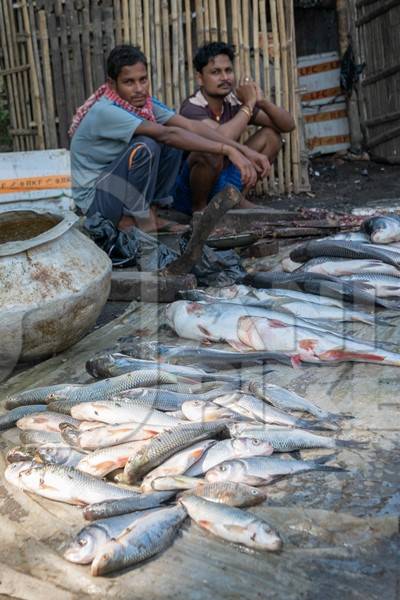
[(146, 111)]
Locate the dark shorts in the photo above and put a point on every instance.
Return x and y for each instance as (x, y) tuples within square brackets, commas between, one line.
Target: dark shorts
[(230, 175)]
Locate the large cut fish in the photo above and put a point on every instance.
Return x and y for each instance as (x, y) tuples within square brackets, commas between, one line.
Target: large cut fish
[(261, 470), (148, 536), (232, 524), (308, 345), (64, 484), (383, 229)]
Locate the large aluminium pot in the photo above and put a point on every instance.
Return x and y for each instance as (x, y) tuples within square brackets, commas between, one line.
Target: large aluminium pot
[(54, 282)]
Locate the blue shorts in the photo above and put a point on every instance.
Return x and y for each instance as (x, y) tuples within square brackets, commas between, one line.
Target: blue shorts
[(230, 175)]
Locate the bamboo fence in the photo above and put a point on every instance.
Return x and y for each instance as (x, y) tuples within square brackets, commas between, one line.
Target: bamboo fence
[(54, 52)]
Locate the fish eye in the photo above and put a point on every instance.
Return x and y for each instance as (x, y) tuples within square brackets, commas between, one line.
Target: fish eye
[(223, 468), (82, 542), (256, 442), (254, 492)]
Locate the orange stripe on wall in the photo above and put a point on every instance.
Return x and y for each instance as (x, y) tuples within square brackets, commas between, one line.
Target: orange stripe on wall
[(319, 68), (329, 140), (336, 91), (27, 184), (326, 116)]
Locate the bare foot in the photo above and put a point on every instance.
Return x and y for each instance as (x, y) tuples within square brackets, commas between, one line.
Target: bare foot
[(244, 203)]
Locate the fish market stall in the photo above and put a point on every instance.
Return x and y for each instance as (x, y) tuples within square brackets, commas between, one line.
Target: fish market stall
[(339, 527)]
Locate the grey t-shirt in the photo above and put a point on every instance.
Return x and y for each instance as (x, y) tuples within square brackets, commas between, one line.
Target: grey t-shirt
[(100, 138)]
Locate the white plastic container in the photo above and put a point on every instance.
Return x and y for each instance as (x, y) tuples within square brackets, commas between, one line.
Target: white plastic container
[(37, 180)]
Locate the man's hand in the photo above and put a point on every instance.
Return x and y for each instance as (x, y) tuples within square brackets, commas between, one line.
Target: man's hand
[(260, 161), (259, 94), (246, 92), (248, 172)]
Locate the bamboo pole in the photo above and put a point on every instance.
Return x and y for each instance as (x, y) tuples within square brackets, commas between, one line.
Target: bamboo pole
[(199, 22), (175, 53), (278, 87), (51, 142), (181, 54), (189, 51), (126, 22), (235, 36), (293, 96), (146, 36), (37, 110), (213, 21), (223, 26), (267, 183), (285, 91), (7, 77), (256, 43), (246, 42), (12, 55), (139, 24), (240, 29), (117, 22), (25, 80), (159, 87), (166, 53), (132, 22), (86, 56), (206, 21)]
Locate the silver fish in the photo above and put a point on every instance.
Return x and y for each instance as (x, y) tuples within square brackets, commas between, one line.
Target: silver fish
[(287, 440), (57, 454), (287, 399), (40, 395), (118, 364), (63, 484), (384, 286), (177, 464), (338, 267), (167, 400), (166, 444), (343, 249), (125, 411), (109, 435), (149, 535), (250, 406), (228, 492), (232, 524), (39, 438), (383, 229), (10, 419), (102, 510), (101, 462), (88, 542), (227, 450), (198, 410), (175, 482), (45, 421), (263, 469)]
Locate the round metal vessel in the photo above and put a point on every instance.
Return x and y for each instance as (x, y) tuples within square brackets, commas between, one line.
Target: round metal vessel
[(54, 282)]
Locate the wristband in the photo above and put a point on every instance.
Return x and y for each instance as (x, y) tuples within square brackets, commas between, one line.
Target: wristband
[(246, 111)]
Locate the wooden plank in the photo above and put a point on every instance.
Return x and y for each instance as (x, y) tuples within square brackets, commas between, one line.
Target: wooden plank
[(383, 137), (108, 31), (58, 81), (381, 120), (97, 47), (261, 248), (143, 286), (48, 82), (374, 14), (64, 47), (381, 75), (86, 55), (75, 46)]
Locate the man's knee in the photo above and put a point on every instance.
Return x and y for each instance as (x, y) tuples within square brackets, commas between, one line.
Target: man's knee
[(213, 162), (273, 142), (145, 149)]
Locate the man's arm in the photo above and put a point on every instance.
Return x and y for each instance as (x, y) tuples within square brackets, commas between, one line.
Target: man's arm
[(179, 137), (201, 128), (273, 116)]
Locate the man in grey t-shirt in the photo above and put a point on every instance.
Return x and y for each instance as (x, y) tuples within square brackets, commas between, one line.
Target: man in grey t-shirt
[(125, 150)]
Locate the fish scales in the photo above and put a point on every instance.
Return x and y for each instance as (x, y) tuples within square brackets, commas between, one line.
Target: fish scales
[(228, 492), (10, 419), (102, 510)]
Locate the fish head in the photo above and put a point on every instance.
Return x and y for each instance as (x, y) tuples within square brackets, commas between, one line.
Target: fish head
[(110, 556), (235, 429), (264, 537), (83, 548), (229, 470), (176, 310), (56, 454), (244, 446), (250, 495), (194, 409), (15, 470), (21, 454)]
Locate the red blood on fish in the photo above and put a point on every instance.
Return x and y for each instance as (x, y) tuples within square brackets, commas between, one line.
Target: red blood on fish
[(308, 345), (343, 354), (275, 323), (296, 361), (194, 307)]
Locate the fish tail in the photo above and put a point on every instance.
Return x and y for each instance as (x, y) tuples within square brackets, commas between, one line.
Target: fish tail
[(350, 444), (320, 424), (331, 469)]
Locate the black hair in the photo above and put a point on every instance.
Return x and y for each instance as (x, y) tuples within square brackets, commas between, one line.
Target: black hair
[(209, 51), (122, 56)]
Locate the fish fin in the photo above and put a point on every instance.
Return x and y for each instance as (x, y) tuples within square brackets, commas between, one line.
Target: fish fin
[(238, 346), (350, 444)]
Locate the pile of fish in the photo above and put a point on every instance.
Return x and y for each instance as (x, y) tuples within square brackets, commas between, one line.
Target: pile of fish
[(295, 316), (141, 451)]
